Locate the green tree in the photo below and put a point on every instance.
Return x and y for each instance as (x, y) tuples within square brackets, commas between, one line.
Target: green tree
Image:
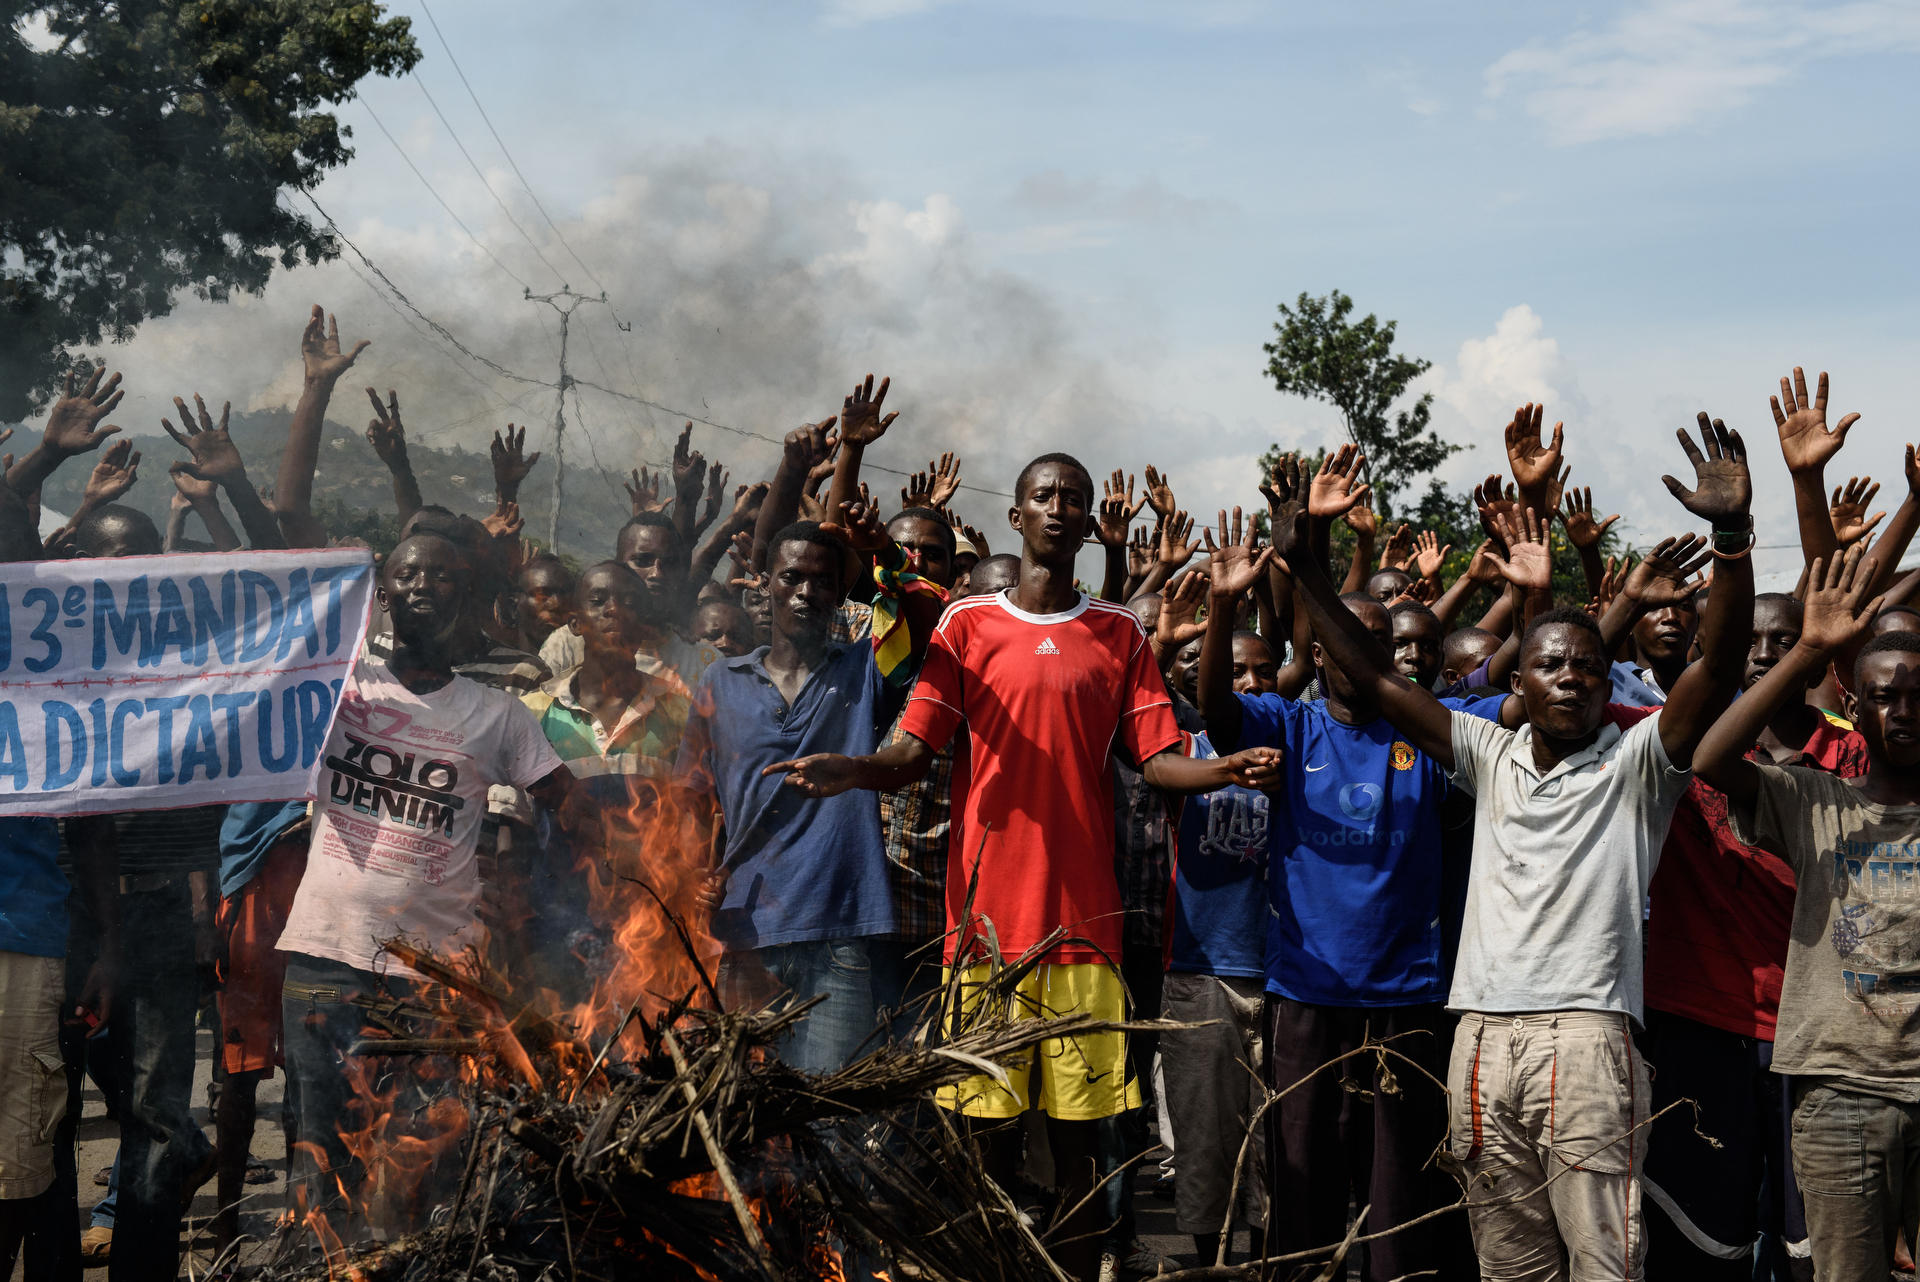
[(146, 152), (1318, 354)]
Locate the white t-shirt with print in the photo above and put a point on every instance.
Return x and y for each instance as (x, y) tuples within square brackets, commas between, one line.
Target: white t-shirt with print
[(401, 793)]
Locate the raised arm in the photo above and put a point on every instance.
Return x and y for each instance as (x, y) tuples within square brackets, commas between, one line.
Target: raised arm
[(1426, 722), (324, 363), (112, 476), (1722, 496), (803, 448), (203, 497), (1171, 552), (1665, 577), (389, 440), (1899, 533), (1807, 444), (689, 474), (861, 424), (1177, 623), (511, 462), (746, 510), (1365, 525), (1112, 521), (1479, 570), (1232, 569), (1838, 614), (1584, 532), (70, 430), (217, 459)]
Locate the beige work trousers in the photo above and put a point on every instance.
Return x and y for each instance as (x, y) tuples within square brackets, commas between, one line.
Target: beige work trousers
[(1548, 1115)]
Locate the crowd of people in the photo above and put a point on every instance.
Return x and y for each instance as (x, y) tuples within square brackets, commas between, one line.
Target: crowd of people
[(1597, 915)]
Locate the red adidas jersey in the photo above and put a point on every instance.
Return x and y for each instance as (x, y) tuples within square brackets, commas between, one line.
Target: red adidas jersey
[(1044, 698)]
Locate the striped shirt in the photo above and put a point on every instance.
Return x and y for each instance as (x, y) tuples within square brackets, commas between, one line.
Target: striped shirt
[(643, 742)]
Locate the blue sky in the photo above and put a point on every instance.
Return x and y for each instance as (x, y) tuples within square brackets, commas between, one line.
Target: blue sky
[(1066, 225)]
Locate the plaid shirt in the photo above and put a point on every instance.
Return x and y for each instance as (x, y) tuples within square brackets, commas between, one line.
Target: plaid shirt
[(914, 821), (851, 622)]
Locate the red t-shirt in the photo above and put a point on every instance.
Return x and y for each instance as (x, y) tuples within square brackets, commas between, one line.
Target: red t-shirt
[(1720, 911), (1045, 697)]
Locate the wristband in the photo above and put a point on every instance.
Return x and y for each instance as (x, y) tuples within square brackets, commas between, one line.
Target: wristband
[(1729, 540), (1746, 549)]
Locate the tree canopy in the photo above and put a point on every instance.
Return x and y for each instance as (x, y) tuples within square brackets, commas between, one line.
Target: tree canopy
[(146, 151), (1318, 354)]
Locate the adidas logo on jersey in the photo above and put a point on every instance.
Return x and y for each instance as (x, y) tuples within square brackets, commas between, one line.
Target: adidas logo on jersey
[(1046, 646)]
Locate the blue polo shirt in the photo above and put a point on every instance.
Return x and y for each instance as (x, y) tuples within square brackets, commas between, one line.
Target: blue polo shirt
[(1354, 873), (799, 868), (1219, 901), (33, 890)]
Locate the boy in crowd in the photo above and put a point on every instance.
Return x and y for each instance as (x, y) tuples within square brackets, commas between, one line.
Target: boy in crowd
[(1044, 679), (413, 750), (1354, 948), (1571, 815), (1216, 969), (1847, 1022)]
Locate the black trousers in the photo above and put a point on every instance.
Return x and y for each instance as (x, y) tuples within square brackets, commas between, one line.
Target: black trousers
[(1360, 1132)]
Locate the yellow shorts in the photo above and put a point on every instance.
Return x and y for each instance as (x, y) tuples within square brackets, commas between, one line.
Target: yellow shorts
[(1082, 1079)]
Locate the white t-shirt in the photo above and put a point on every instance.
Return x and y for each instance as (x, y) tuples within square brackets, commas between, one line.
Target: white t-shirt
[(402, 791), (1561, 865)]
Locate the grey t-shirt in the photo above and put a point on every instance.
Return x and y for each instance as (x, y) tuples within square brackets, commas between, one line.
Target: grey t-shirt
[(1850, 1002), (1561, 864)]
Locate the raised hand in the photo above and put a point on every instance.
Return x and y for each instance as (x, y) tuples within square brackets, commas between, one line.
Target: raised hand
[(970, 534), (190, 488), (808, 445), (861, 526), (818, 474), (1534, 464), (1481, 568), (1583, 531), (1849, 510), (1556, 486), (1491, 502), (860, 421), (1664, 576), (1723, 489), (504, 521), (320, 349), (1399, 549), (215, 457), (1180, 611), (1117, 510), (1232, 565), (266, 492), (1805, 441), (716, 486), (1428, 555), (1140, 552), (1289, 493), (1528, 563), (1336, 488), (1837, 611), (112, 476), (746, 505), (689, 467), (1913, 473), (511, 462), (946, 479), (1361, 520), (644, 492), (1419, 592), (1159, 491), (70, 429), (1176, 543), (388, 435)]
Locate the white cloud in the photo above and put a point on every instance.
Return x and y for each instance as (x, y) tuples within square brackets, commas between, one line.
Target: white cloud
[(1669, 64), (1515, 364)]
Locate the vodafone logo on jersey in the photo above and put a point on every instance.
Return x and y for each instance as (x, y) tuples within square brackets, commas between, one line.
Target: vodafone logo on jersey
[(1046, 646)]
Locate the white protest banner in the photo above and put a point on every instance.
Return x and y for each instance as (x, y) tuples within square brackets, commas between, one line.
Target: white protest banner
[(150, 682)]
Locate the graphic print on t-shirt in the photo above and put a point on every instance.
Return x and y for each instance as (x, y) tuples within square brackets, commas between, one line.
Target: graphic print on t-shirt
[(394, 773), (1873, 931)]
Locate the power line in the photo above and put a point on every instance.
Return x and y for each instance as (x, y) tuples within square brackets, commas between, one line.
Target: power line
[(503, 149), (482, 176), (436, 195)]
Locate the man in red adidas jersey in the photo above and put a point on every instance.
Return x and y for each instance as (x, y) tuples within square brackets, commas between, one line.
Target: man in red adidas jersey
[(1048, 682)]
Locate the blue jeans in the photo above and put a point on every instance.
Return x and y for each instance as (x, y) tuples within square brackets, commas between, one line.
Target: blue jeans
[(834, 1030), (150, 1043)]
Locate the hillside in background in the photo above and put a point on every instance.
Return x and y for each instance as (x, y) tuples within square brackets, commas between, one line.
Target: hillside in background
[(353, 492)]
